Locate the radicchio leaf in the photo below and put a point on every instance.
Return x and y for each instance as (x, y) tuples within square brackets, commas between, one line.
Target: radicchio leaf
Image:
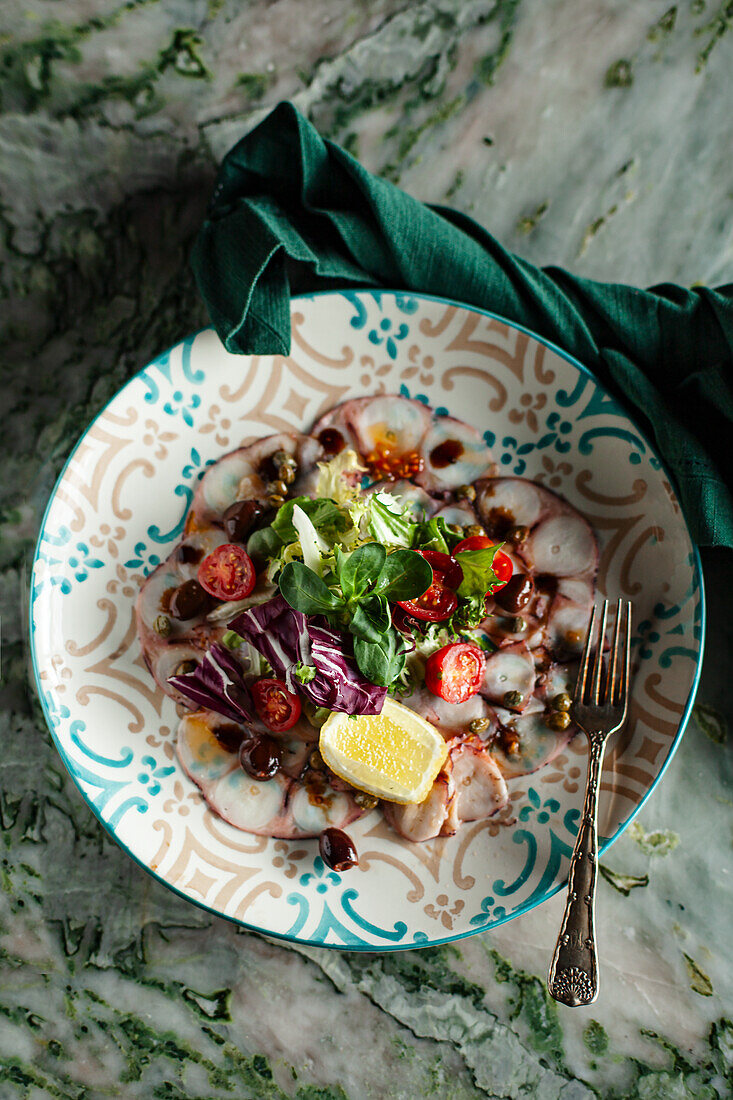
[(218, 684), (288, 639)]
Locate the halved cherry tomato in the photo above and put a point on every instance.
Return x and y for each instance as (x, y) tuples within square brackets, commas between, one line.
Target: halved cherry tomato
[(455, 672), (438, 603), (503, 567), (227, 573), (447, 570), (278, 708)]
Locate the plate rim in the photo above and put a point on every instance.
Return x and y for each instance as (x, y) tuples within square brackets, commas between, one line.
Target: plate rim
[(604, 843)]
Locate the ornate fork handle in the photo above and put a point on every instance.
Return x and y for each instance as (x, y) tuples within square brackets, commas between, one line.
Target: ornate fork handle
[(573, 977)]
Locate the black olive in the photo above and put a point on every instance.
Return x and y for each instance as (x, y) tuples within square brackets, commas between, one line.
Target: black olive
[(189, 600), (260, 757), (516, 593), (337, 850), (241, 517)]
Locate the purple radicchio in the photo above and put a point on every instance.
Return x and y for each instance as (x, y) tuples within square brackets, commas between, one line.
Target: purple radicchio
[(287, 639), (218, 684)]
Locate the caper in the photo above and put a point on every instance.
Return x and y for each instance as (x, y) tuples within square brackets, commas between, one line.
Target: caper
[(466, 492), (286, 474), (315, 760), (561, 701), (518, 534), (455, 528), (474, 529), (162, 626), (557, 720), (517, 625), (276, 499), (184, 667), (479, 725), (279, 488), (512, 699), (366, 801), (283, 458)]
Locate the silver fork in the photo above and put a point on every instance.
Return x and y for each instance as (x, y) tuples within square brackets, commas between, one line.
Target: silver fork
[(599, 707)]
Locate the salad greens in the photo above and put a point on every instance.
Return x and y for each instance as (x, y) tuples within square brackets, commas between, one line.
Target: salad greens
[(348, 555)]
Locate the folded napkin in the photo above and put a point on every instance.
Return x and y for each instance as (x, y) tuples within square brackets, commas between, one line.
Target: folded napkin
[(293, 212)]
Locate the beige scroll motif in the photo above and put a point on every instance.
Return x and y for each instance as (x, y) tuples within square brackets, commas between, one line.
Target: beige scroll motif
[(367, 858), (347, 352), (192, 847), (430, 854), (110, 610), (230, 395), (148, 471), (74, 475), (651, 685), (78, 522), (497, 403), (272, 888), (582, 483), (86, 691), (513, 362), (621, 526), (119, 420), (161, 826), (427, 327), (544, 377), (252, 846), (135, 685), (634, 587), (282, 371)]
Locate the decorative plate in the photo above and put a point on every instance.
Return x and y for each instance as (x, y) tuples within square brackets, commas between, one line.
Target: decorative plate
[(118, 507)]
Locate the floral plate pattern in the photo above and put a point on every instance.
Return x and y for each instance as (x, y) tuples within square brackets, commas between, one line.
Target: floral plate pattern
[(119, 505)]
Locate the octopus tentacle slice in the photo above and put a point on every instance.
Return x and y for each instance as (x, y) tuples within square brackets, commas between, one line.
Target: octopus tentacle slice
[(395, 434), (510, 669), (471, 786), (279, 807), (245, 474)]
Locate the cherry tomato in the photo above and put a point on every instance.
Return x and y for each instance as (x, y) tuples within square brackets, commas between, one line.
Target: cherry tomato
[(227, 573), (503, 567), (455, 672), (278, 708), (438, 603), (445, 568)]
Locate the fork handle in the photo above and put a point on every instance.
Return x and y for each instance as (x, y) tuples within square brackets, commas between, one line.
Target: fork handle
[(573, 977)]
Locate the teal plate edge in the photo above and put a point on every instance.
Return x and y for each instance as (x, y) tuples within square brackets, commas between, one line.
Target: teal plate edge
[(606, 842)]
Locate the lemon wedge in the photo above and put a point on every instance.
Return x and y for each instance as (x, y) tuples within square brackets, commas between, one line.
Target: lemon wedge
[(394, 755)]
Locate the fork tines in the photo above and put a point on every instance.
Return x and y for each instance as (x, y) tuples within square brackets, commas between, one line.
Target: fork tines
[(607, 687)]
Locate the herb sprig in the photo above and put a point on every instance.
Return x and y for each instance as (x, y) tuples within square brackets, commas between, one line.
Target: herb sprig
[(356, 597)]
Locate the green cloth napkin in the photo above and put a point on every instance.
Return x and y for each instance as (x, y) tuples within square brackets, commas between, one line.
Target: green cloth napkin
[(293, 212)]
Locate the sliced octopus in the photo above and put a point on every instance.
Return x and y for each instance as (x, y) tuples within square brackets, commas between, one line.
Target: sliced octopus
[(534, 629), (297, 802)]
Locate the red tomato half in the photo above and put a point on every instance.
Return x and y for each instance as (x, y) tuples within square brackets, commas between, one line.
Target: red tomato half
[(455, 672), (438, 603), (278, 708), (503, 567), (445, 568), (227, 573)]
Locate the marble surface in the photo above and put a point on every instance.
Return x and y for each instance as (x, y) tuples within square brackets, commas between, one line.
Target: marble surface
[(592, 135)]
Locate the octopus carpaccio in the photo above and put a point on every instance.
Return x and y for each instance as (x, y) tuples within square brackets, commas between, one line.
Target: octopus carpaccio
[(426, 461)]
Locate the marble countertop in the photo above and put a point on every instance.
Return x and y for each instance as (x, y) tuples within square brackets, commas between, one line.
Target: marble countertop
[(591, 135)]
